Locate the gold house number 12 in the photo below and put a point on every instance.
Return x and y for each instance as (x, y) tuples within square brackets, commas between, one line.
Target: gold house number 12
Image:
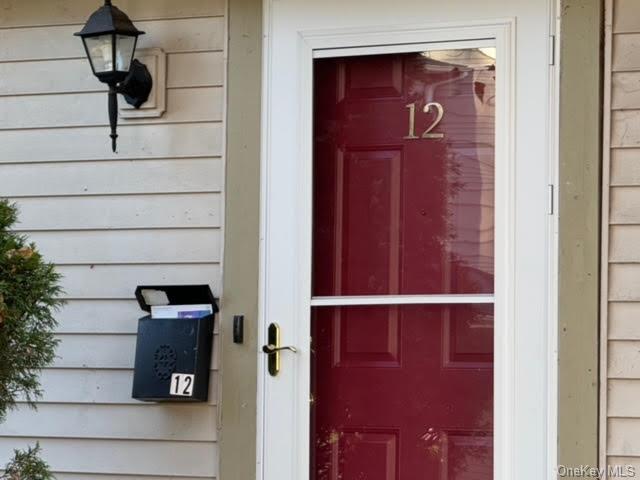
[(428, 132)]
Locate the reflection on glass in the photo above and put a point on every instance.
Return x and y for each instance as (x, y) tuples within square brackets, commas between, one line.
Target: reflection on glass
[(402, 392), (100, 52), (403, 204), (124, 52), (395, 212)]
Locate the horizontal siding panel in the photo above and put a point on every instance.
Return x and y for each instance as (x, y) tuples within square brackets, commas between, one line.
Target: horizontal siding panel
[(96, 351), (96, 177), (38, 77), (625, 167), (624, 359), (622, 436), (130, 246), (624, 320), (181, 422), (93, 143), (101, 316), (120, 211), (629, 465), (625, 16), (122, 457), (150, 214), (120, 281), (625, 205), (625, 90), (86, 386), (209, 69), (196, 422), (16, 13), (622, 365), (49, 43), (623, 243), (626, 52), (185, 35), (623, 398), (625, 128), (624, 282), (203, 69), (87, 109), (105, 352)]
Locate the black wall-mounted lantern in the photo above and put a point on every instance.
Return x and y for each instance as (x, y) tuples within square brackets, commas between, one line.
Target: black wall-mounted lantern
[(110, 40)]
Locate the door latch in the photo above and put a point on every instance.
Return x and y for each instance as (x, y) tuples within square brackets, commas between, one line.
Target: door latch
[(273, 349)]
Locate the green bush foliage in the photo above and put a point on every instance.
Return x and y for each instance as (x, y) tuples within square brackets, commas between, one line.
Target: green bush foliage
[(29, 296), (27, 465)]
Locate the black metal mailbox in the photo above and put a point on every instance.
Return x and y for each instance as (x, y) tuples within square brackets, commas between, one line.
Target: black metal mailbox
[(173, 355)]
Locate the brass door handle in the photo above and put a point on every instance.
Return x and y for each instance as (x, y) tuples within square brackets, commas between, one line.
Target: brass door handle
[(269, 349), (273, 349)]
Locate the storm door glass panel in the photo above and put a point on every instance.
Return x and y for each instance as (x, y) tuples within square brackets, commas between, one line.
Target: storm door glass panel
[(404, 174), (402, 392), (403, 267)]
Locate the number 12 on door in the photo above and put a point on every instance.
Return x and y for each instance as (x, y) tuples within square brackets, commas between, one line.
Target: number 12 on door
[(181, 385), (439, 109)]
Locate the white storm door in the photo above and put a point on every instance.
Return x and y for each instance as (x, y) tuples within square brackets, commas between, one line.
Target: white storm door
[(407, 248)]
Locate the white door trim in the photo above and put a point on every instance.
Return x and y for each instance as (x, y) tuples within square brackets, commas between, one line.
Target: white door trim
[(500, 33), (372, 40)]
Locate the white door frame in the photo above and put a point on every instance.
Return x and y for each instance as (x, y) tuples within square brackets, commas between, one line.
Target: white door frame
[(291, 389)]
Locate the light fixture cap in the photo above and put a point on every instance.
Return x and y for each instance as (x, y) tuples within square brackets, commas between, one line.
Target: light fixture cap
[(110, 40), (109, 19)]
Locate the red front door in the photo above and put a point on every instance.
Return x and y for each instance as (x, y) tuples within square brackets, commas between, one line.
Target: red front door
[(403, 232)]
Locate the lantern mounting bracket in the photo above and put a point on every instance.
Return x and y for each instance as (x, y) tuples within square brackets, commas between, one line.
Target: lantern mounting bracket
[(136, 88)]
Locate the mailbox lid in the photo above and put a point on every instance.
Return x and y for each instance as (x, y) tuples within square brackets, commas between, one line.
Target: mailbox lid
[(175, 295)]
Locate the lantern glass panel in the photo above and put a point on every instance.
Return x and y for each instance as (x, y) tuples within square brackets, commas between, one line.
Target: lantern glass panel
[(125, 46), (100, 49)]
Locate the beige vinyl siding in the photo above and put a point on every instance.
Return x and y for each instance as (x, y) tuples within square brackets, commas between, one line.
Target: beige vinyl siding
[(620, 422), (153, 213)]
